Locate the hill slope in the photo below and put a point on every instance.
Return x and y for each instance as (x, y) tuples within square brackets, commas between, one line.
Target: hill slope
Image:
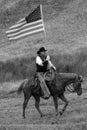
[(65, 24)]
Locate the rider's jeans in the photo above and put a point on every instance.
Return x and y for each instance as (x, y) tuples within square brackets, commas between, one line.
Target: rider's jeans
[(43, 85)]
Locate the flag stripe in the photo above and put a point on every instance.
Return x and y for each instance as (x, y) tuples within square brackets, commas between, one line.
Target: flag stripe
[(22, 23), (21, 20), (26, 34), (26, 25), (26, 29), (18, 25)]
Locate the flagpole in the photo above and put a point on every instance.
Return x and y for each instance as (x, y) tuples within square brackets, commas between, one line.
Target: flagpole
[(43, 22)]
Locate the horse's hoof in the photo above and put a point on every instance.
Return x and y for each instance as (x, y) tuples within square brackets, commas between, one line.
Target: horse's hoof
[(54, 122), (56, 114), (42, 115), (61, 113), (23, 117)]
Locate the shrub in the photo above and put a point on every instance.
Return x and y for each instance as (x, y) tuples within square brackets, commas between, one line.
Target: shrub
[(18, 69)]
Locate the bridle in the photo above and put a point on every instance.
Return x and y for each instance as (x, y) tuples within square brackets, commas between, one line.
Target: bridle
[(71, 87)]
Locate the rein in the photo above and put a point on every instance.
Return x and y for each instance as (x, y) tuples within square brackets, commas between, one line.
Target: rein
[(70, 88)]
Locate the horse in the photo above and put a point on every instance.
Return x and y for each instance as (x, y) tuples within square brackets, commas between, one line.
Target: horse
[(57, 88)]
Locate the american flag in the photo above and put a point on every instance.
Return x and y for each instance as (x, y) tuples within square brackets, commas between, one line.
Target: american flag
[(31, 24)]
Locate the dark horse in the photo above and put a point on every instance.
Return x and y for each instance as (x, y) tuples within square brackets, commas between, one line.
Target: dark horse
[(56, 87)]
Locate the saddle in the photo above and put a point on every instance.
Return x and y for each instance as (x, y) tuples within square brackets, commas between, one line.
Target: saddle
[(48, 77)]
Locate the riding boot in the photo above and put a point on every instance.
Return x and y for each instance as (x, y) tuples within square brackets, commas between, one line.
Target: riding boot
[(45, 90)]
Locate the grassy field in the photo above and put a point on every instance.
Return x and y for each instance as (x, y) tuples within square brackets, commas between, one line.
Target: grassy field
[(74, 118)]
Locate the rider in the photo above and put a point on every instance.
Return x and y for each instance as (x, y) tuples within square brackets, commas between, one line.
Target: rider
[(43, 64)]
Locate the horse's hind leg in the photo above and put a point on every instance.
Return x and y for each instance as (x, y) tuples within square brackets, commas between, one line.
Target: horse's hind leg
[(55, 104), (37, 101), (26, 99), (66, 104)]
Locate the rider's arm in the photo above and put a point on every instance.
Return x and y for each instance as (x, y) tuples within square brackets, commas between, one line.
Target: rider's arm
[(50, 63)]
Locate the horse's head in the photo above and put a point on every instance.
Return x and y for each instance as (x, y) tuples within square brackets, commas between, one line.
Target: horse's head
[(77, 85)]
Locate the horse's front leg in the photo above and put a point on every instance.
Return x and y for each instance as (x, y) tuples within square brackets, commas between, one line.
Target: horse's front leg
[(55, 104), (37, 101), (66, 104)]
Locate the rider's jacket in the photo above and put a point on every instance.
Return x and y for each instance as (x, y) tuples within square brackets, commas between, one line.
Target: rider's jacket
[(43, 65)]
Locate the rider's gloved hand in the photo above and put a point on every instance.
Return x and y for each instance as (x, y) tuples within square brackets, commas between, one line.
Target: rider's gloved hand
[(48, 58), (45, 62), (54, 68)]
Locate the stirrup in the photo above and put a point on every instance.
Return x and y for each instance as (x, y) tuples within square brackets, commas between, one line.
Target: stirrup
[(46, 97)]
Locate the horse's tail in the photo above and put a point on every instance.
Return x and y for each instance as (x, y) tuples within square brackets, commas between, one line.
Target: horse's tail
[(12, 91), (20, 89)]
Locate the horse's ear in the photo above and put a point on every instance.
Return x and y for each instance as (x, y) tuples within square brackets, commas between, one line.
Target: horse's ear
[(80, 78)]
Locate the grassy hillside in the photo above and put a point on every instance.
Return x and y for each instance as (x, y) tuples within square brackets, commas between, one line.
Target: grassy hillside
[(65, 25), (11, 11), (66, 35)]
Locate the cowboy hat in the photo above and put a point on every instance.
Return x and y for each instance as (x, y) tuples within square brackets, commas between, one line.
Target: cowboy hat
[(41, 50)]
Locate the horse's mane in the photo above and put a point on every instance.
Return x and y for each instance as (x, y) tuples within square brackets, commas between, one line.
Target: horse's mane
[(66, 75)]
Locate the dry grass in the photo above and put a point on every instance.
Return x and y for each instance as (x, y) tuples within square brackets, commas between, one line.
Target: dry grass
[(74, 117)]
